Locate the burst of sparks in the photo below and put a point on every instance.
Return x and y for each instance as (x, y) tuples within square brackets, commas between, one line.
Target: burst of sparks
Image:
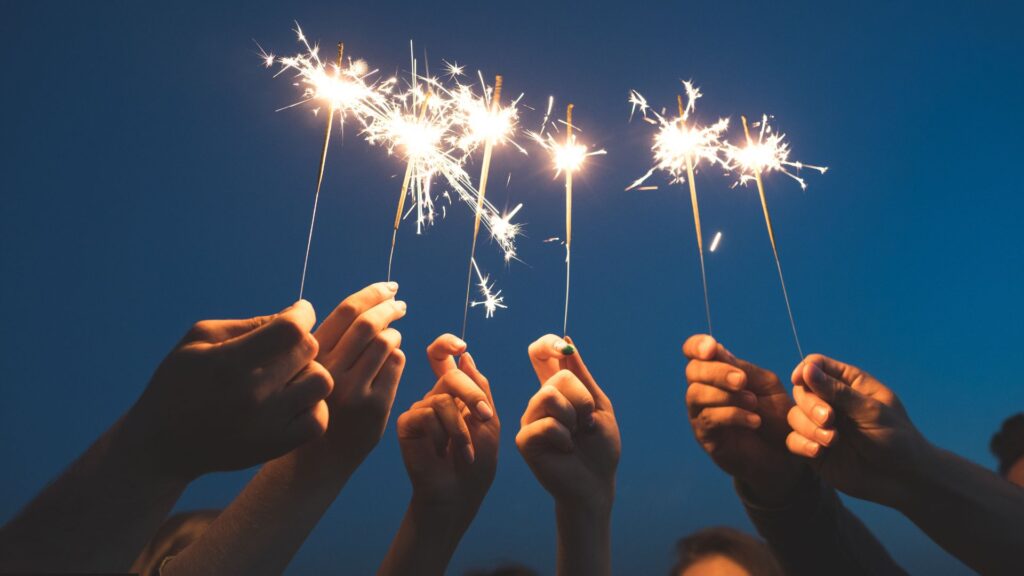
[(491, 300), (504, 231), (679, 139), (769, 153), (479, 123), (453, 70), (567, 155), (349, 89)]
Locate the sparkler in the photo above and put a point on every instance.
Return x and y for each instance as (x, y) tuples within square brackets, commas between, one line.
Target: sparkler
[(679, 148), (492, 300), (769, 153), (412, 145), (344, 90), (568, 157)]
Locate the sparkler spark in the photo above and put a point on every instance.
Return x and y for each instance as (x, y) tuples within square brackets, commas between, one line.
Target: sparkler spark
[(769, 153), (491, 300)]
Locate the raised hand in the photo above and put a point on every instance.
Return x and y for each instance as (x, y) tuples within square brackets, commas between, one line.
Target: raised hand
[(738, 414)]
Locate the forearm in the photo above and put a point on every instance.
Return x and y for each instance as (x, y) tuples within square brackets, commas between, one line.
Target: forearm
[(974, 514), (584, 539), (96, 516), (811, 532), (267, 523), (426, 540)]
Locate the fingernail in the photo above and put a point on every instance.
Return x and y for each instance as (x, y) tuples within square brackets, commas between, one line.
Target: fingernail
[(820, 414), (812, 448), (400, 305), (484, 410), (754, 420), (467, 453), (563, 348), (824, 436), (736, 379), (459, 343), (707, 347), (392, 286), (749, 398)]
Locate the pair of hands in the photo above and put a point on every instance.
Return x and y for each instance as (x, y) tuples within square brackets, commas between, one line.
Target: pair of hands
[(844, 423), (568, 436), (235, 393)]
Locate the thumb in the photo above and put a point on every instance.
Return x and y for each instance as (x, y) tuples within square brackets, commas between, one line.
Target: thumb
[(843, 398)]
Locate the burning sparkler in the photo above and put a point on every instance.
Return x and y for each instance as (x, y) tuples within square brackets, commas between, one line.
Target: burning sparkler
[(492, 300), (679, 147), (769, 153), (568, 157), (345, 90)]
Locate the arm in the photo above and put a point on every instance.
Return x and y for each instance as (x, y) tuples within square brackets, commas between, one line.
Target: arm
[(738, 412), (876, 453), (570, 439), (267, 523), (225, 375), (449, 443)]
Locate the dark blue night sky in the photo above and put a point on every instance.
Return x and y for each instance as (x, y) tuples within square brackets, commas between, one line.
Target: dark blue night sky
[(147, 182)]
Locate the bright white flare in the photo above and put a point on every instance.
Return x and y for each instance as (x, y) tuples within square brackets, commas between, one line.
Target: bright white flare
[(679, 139), (491, 300), (770, 153)]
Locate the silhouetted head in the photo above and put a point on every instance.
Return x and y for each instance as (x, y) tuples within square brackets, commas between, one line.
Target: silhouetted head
[(722, 551), (174, 535), (1008, 446)]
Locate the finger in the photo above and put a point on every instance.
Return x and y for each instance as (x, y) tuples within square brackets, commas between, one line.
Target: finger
[(574, 362), (420, 421), (287, 329), (342, 317), (468, 365), (313, 384), (362, 330), (307, 425), (453, 424), (545, 354), (838, 394), (817, 411), (458, 384), (717, 374), (700, 396), (212, 331), (544, 435), (710, 420), (548, 402), (801, 446), (385, 385), (374, 356), (440, 353), (700, 347), (859, 380), (803, 426), (578, 395)]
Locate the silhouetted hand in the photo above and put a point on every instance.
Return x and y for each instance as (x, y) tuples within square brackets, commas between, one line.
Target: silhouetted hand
[(233, 393), (449, 439), (362, 353), (738, 413), (854, 428)]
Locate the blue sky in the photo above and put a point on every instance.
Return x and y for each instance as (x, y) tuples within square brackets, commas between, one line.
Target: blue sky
[(147, 182)]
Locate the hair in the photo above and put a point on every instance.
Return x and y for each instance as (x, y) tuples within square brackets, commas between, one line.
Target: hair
[(173, 536), (745, 550), (1008, 443)]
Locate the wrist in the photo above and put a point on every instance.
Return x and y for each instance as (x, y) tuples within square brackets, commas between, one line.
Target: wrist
[(910, 491), (780, 490), (130, 448)]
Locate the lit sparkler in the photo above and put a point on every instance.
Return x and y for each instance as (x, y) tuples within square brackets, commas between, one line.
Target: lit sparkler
[(770, 153), (345, 90), (679, 147), (568, 157), (491, 300)]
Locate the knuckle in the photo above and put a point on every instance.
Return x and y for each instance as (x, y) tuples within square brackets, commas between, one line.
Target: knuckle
[(364, 326), (347, 309), (199, 330)]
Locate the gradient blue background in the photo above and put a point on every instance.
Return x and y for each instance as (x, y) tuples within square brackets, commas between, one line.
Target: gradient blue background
[(147, 182)]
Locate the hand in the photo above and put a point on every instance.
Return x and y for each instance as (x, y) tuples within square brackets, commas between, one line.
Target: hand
[(738, 413), (233, 393), (361, 351), (568, 433), (450, 449), (854, 429)]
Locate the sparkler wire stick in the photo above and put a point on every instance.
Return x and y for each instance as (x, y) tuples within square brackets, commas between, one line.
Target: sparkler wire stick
[(568, 219), (405, 189), (696, 221), (775, 251), (482, 191), (320, 178)]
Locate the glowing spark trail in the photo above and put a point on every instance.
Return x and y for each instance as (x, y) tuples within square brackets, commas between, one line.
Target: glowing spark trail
[(347, 90), (714, 243), (568, 157), (492, 300), (768, 154), (678, 148)]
